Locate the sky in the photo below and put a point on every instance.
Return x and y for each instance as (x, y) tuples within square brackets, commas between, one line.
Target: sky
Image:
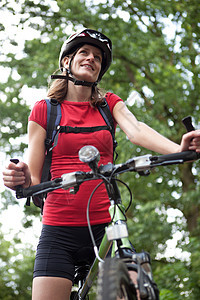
[(11, 218)]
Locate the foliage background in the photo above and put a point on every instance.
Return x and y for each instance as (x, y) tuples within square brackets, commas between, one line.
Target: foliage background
[(156, 63)]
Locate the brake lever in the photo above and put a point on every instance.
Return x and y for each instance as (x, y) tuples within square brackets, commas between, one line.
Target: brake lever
[(187, 121)]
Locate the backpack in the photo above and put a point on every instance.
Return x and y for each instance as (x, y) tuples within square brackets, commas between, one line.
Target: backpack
[(53, 130)]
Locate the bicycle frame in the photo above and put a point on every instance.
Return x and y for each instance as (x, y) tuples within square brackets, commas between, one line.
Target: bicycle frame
[(117, 214)]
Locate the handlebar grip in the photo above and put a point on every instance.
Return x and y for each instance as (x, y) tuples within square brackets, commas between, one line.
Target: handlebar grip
[(184, 156), (39, 187), (187, 121)]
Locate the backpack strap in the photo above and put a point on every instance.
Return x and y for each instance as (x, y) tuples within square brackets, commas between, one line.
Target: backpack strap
[(70, 129), (53, 120), (108, 118)]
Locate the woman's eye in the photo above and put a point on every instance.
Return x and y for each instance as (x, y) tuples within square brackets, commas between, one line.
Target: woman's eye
[(83, 51), (98, 58)]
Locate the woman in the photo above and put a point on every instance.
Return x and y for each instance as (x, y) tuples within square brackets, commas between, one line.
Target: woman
[(84, 59)]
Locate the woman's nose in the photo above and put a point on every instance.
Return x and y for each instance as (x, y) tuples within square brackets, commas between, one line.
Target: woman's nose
[(90, 56)]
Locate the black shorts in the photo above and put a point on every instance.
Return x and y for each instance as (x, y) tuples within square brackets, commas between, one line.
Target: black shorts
[(60, 248)]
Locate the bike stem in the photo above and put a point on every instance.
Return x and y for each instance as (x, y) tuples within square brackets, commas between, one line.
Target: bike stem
[(113, 191)]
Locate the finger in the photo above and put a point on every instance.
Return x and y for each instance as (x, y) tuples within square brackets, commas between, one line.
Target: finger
[(13, 172), (196, 140), (192, 134), (13, 176), (14, 179), (194, 148), (13, 166), (195, 134)]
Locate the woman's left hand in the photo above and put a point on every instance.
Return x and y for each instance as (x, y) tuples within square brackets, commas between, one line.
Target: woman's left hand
[(190, 141)]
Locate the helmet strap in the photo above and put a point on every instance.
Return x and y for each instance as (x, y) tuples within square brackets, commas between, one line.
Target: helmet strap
[(82, 82), (70, 77)]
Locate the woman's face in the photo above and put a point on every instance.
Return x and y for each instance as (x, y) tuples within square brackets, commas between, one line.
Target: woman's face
[(86, 64)]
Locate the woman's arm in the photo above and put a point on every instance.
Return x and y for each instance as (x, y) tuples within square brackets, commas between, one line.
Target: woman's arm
[(36, 150), (142, 135), (28, 174)]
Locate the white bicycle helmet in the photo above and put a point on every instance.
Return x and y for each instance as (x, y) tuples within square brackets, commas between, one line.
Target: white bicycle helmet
[(92, 37)]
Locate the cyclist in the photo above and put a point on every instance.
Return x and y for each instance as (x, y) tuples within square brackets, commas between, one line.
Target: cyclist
[(84, 58)]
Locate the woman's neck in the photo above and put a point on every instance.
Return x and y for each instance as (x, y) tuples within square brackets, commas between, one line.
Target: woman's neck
[(78, 93)]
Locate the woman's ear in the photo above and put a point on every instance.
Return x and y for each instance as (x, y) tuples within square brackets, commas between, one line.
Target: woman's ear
[(66, 62)]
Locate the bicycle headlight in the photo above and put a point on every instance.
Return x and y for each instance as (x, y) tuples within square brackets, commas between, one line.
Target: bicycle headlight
[(90, 155)]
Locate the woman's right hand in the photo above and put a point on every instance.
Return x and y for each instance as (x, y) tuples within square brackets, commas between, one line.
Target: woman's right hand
[(16, 174)]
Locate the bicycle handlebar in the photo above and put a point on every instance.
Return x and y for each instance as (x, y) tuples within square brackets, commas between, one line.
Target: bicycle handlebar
[(134, 164)]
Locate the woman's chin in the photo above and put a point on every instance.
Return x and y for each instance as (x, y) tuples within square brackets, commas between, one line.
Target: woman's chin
[(86, 77)]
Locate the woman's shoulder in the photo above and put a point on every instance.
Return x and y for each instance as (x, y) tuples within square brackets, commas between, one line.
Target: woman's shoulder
[(39, 113), (39, 104), (112, 99)]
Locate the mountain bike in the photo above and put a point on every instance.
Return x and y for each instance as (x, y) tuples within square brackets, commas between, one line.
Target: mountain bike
[(113, 272)]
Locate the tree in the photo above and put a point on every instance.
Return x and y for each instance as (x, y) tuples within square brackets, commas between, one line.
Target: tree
[(158, 70), (16, 270)]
